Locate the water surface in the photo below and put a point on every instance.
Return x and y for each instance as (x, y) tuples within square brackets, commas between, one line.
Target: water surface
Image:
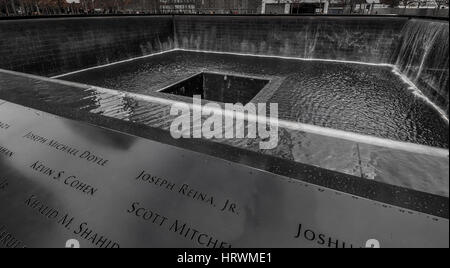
[(365, 99)]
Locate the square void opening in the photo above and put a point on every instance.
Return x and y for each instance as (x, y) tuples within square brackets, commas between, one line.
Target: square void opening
[(219, 87)]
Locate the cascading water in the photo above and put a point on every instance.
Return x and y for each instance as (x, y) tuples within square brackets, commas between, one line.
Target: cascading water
[(362, 39), (424, 58)]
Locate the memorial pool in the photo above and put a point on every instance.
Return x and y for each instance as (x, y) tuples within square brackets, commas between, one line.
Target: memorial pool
[(362, 98)]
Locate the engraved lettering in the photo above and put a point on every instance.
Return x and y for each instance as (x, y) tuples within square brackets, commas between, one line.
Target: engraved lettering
[(94, 238), (8, 240), (88, 156), (6, 152), (4, 125), (36, 138), (146, 214), (320, 238), (63, 148), (3, 184), (202, 239), (72, 181)]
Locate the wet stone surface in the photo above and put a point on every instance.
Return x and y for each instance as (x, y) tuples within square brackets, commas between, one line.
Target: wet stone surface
[(151, 194)]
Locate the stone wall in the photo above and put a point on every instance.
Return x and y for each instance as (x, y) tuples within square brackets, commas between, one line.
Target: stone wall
[(58, 45)]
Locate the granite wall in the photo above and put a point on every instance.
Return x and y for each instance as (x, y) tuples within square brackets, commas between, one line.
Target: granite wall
[(58, 45)]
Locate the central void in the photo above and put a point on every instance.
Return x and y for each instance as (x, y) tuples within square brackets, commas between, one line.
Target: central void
[(219, 87), (366, 99)]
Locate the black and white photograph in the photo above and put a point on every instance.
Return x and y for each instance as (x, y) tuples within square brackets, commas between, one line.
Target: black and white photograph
[(222, 131)]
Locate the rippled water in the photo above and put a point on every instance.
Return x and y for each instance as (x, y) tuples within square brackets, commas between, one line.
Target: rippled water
[(365, 99)]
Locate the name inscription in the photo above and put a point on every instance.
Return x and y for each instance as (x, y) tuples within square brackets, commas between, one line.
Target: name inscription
[(189, 192), (6, 152), (67, 149), (68, 180), (3, 184), (320, 239), (4, 125), (68, 222), (8, 240), (176, 226)]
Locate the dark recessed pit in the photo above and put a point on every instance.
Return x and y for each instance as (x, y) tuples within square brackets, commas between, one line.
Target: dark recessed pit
[(219, 87)]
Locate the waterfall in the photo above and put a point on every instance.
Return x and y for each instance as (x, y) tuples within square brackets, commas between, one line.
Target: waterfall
[(362, 39), (424, 58)]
